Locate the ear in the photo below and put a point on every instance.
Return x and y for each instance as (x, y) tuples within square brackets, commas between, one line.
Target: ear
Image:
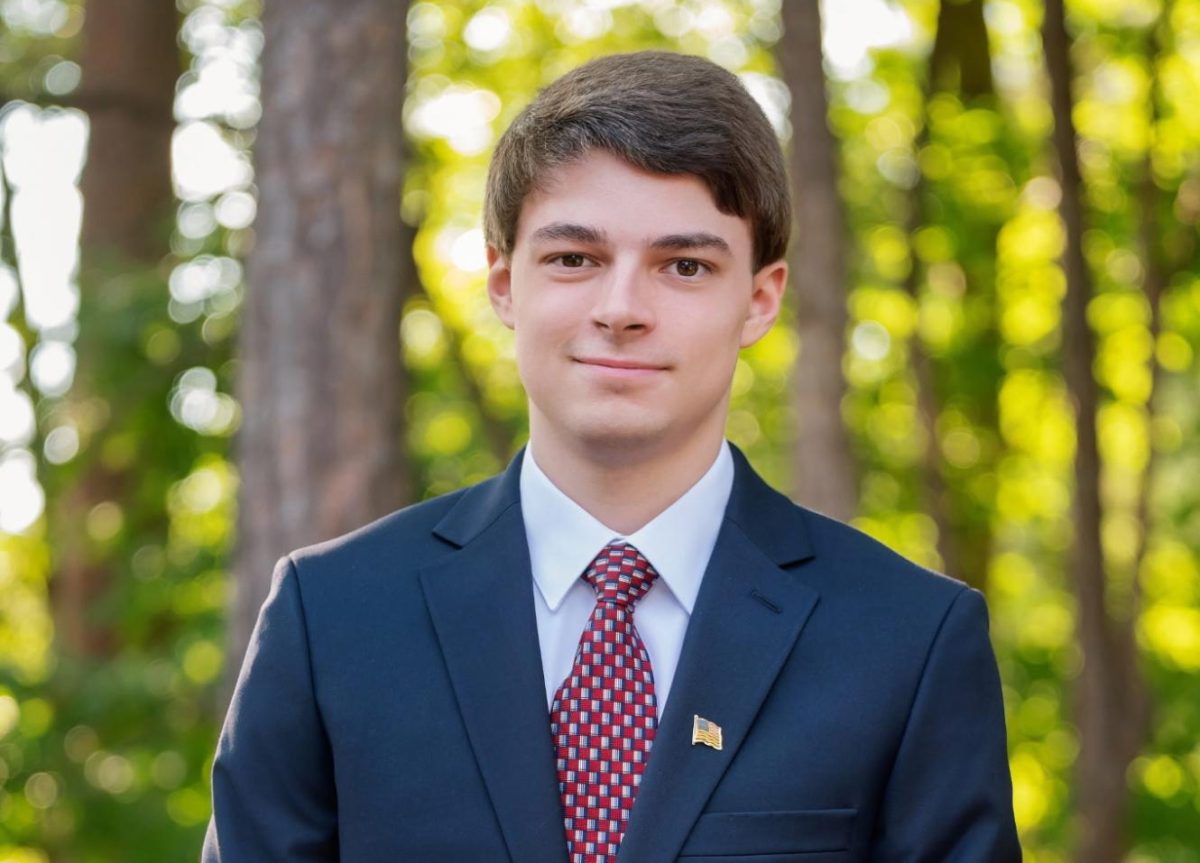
[(499, 286), (766, 299)]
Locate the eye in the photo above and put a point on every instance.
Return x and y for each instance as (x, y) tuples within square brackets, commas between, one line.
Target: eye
[(571, 261), (688, 267)]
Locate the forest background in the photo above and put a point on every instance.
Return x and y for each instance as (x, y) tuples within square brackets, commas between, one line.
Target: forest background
[(242, 310)]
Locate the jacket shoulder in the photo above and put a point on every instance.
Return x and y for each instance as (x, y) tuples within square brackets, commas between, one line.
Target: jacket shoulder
[(867, 564), (835, 557), (403, 538)]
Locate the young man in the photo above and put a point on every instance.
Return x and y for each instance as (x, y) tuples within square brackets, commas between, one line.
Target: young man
[(627, 644)]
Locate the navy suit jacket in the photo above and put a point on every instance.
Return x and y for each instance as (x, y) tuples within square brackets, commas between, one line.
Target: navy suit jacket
[(391, 706)]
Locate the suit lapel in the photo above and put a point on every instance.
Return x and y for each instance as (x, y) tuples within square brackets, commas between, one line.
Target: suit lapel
[(747, 617), (481, 602)]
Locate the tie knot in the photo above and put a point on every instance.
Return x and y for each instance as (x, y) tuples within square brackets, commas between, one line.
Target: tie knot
[(620, 574)]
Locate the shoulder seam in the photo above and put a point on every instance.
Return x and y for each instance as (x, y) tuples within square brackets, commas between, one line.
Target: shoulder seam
[(312, 681)]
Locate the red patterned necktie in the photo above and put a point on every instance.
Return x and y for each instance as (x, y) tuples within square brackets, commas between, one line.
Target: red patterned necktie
[(605, 714)]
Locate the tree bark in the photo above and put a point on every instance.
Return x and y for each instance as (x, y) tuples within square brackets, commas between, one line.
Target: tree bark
[(961, 59), (130, 63), (322, 389), (1110, 672), (823, 462), (1157, 272), (961, 62)]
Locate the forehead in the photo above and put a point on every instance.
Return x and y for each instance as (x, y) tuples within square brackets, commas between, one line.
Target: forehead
[(626, 204)]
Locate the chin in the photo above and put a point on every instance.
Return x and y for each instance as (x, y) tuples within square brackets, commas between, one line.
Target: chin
[(618, 437), (598, 432)]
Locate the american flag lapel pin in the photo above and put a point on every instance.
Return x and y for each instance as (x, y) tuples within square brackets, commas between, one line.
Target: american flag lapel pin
[(706, 731)]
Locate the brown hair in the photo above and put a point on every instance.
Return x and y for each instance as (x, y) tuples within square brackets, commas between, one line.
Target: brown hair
[(660, 112)]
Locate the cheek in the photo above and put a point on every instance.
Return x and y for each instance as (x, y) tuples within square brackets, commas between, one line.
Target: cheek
[(713, 335), (539, 333), (547, 319), (715, 365)]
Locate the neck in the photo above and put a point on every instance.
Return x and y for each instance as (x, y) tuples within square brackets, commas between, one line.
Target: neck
[(624, 487)]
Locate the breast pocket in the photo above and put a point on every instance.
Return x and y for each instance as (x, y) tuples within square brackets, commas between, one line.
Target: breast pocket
[(769, 837)]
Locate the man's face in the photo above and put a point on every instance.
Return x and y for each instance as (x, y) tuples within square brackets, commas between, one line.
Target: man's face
[(629, 294)]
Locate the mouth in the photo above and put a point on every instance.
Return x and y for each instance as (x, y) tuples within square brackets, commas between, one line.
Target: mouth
[(619, 368)]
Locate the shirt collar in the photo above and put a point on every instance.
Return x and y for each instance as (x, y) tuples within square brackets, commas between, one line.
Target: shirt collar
[(564, 538)]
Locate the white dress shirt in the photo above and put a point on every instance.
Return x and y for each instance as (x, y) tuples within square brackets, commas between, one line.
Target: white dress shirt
[(564, 538)]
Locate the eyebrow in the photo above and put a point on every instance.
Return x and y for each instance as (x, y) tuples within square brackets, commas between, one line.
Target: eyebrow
[(587, 234), (569, 231), (696, 240)]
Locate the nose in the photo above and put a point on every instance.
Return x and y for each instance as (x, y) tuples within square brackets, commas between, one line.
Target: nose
[(623, 302)]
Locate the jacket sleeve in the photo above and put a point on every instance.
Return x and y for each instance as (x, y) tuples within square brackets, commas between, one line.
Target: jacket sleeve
[(949, 796), (273, 793)]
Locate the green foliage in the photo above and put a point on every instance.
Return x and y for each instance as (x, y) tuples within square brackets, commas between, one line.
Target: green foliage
[(100, 752), (38, 50), (955, 239)]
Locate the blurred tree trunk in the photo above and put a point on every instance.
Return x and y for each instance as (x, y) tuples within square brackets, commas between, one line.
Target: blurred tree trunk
[(130, 63), (1154, 283), (1164, 243), (823, 463), (959, 63), (1110, 686), (961, 59), (1159, 238), (320, 449)]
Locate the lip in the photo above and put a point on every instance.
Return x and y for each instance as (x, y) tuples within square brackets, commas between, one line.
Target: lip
[(619, 367)]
